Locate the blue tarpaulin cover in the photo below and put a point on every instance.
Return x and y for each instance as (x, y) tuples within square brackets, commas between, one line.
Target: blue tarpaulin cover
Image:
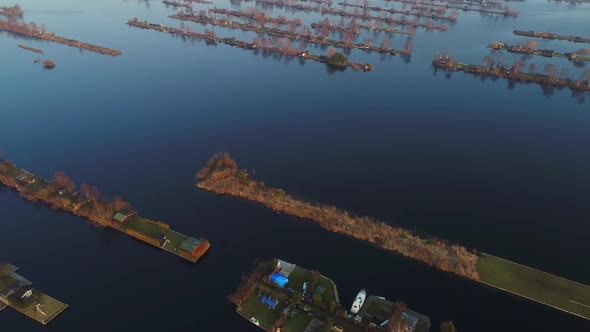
[(279, 279), (269, 302)]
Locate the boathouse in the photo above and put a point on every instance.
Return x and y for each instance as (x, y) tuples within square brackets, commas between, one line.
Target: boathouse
[(191, 245), (123, 216)]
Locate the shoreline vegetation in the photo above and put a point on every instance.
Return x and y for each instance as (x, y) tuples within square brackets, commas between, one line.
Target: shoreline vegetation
[(222, 176), (32, 30), (88, 202)]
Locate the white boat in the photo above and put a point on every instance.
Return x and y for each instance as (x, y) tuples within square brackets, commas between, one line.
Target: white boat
[(358, 301)]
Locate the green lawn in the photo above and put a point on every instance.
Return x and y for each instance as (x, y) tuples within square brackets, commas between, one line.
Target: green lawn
[(378, 308), (254, 308), (175, 239), (298, 277), (146, 228), (534, 284), (297, 321), (328, 294)]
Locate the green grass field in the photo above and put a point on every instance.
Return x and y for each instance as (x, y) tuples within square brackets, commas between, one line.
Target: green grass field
[(536, 285), (378, 309), (298, 277), (254, 308), (297, 321), (175, 239), (328, 294), (146, 228)]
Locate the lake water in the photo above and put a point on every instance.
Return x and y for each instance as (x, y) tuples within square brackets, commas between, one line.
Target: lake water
[(499, 168)]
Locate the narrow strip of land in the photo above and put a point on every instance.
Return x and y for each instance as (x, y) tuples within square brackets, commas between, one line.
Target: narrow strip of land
[(551, 35), (61, 193), (28, 48), (32, 30), (548, 53), (514, 73)]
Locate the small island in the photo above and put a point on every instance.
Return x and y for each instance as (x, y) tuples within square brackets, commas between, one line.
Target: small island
[(48, 64), (281, 296), (222, 176), (18, 293)]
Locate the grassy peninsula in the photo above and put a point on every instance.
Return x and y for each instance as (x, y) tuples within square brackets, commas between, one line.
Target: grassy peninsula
[(222, 175), (61, 193)]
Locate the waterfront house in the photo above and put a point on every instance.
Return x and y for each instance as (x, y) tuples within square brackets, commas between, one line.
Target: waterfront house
[(123, 216), (191, 245)]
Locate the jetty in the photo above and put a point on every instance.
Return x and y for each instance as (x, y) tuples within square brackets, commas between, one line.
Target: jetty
[(32, 30), (28, 48), (18, 293), (551, 35), (279, 49), (281, 295), (11, 11), (307, 38), (178, 4), (513, 73), (548, 53), (60, 193), (222, 176)]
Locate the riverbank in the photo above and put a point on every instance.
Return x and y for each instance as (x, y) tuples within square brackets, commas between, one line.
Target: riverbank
[(18, 293), (281, 295), (61, 193), (222, 176)]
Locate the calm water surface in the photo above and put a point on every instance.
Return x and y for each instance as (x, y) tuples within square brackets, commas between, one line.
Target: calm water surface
[(496, 167)]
